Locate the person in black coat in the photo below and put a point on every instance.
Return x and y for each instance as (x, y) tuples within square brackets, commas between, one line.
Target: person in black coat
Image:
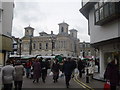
[(80, 67), (44, 67), (55, 69), (67, 70), (74, 65), (112, 74)]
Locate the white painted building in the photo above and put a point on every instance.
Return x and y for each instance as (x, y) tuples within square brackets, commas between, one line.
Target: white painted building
[(6, 17), (104, 29)]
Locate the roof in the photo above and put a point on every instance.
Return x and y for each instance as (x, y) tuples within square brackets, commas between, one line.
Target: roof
[(86, 8), (42, 32), (63, 23), (73, 30), (29, 27)]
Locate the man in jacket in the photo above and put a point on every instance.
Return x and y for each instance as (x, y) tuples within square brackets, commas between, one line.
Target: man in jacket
[(67, 69), (7, 76), (18, 77)]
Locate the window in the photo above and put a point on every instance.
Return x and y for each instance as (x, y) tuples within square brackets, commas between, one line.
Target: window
[(112, 6), (46, 45), (96, 6), (53, 45), (34, 46), (97, 15), (72, 35), (106, 12), (62, 29), (25, 46), (101, 13), (40, 46)]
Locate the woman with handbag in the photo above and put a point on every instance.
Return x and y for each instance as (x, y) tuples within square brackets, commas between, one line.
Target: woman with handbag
[(112, 74)]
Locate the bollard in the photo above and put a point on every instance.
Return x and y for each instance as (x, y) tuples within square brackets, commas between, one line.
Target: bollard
[(87, 76)]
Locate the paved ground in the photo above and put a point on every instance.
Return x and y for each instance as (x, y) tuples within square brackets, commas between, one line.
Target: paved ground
[(75, 82)]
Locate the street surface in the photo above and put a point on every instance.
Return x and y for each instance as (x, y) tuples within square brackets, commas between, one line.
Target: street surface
[(75, 82)]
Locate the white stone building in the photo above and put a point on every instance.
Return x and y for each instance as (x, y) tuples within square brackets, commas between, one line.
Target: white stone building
[(6, 17), (104, 29), (50, 44)]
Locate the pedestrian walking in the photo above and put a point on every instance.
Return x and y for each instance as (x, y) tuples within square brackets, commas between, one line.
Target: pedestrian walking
[(7, 76), (36, 71), (80, 67), (44, 67), (112, 74), (18, 76), (55, 69), (74, 65), (67, 70), (28, 65)]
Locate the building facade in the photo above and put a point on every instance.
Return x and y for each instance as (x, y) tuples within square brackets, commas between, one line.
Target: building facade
[(45, 44), (6, 17), (86, 50), (104, 29)]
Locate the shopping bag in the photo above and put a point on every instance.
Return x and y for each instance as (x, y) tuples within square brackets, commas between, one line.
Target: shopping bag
[(76, 71), (107, 86), (51, 74), (61, 74)]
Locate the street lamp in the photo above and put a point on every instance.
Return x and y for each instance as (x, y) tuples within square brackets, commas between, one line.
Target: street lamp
[(53, 44), (30, 45), (83, 49)]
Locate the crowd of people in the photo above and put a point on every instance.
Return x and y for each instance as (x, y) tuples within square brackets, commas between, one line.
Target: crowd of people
[(38, 68)]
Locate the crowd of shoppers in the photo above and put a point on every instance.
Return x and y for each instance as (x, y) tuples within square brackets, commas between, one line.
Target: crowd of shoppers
[(38, 68)]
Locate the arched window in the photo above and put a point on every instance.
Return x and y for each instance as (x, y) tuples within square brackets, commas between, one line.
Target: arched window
[(62, 29)]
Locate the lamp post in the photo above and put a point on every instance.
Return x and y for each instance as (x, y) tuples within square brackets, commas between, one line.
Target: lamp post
[(30, 45), (83, 49), (53, 44)]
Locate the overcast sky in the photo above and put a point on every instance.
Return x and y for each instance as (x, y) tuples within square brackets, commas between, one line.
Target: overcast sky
[(45, 15)]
